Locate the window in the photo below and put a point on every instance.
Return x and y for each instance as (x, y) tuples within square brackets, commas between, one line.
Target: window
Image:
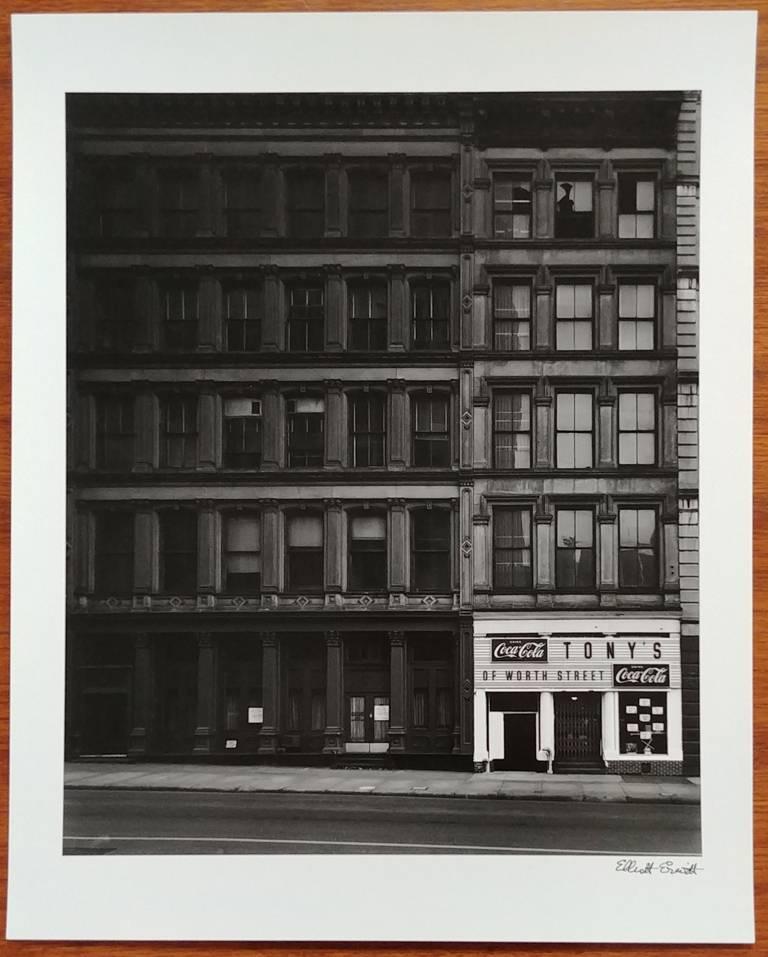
[(179, 202), (637, 316), (574, 217), (431, 315), (306, 427), (306, 203), (115, 316), (242, 555), (305, 553), (368, 203), (575, 551), (511, 207), (431, 438), (242, 305), (180, 313), (643, 722), (573, 316), (431, 550), (637, 428), (114, 553), (638, 562), (637, 206), (306, 318), (367, 306), (512, 317), (242, 202), (242, 433), (431, 204), (512, 430), (366, 424), (118, 202), (368, 552), (512, 552), (178, 432), (114, 432), (574, 430), (178, 552)]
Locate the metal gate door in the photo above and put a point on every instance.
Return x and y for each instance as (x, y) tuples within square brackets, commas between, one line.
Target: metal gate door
[(577, 728)]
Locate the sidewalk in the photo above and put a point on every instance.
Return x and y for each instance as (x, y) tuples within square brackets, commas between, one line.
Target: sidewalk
[(519, 785)]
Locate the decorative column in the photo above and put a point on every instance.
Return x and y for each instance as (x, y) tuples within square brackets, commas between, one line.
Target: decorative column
[(397, 194), (208, 550), (273, 320), (206, 693), (146, 549), (481, 408), (607, 583), (464, 653), (272, 200), (398, 545), (668, 223), (667, 328), (670, 566), (670, 425), (547, 725), (206, 211), (335, 425), (332, 194), (272, 439), (270, 670), (209, 322), (399, 432), (334, 545), (542, 319), (543, 206), (399, 324), (482, 322), (465, 551), (467, 178), (209, 430), (481, 552), (272, 549), (607, 313), (143, 676), (480, 751), (334, 694), (466, 384), (397, 692), (466, 324), (544, 584), (544, 452), (606, 428), (610, 703), (147, 311), (147, 428), (335, 338), (606, 194)]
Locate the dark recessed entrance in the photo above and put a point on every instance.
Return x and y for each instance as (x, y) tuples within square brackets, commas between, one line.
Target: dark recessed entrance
[(519, 743), (578, 732)]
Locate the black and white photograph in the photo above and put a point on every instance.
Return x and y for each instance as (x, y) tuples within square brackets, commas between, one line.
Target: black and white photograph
[(379, 498)]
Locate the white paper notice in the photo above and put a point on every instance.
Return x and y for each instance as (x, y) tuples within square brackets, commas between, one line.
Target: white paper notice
[(255, 715), (381, 712)]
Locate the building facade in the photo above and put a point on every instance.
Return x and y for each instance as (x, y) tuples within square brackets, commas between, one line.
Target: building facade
[(383, 429)]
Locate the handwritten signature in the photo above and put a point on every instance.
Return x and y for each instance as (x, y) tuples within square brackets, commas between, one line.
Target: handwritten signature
[(631, 865)]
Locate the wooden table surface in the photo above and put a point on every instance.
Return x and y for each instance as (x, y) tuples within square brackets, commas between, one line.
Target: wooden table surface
[(31, 949)]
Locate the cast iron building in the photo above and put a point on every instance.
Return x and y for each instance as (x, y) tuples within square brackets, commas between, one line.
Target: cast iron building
[(383, 429)]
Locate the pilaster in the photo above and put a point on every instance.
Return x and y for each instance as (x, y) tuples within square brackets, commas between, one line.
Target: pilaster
[(206, 693), (142, 698), (270, 670), (334, 694), (397, 692)]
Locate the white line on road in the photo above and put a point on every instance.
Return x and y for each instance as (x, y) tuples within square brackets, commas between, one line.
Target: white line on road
[(267, 840)]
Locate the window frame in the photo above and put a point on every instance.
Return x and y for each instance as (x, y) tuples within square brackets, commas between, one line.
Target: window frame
[(189, 437), (654, 431), (227, 453), (578, 176), (445, 550), (118, 548), (588, 589), (250, 328), (180, 334), (190, 586), (292, 551), (497, 433), (124, 435), (517, 177), (118, 335), (652, 321), (291, 419), (655, 546), (178, 212), (435, 322), (293, 210), (417, 398), (354, 552), (575, 282), (369, 397), (637, 176), (420, 174), (227, 552), (373, 325), (496, 319), (367, 173), (525, 510), (252, 176), (305, 320), (574, 432), (627, 698)]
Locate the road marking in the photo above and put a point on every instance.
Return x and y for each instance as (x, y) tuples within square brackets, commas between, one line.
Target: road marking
[(423, 847)]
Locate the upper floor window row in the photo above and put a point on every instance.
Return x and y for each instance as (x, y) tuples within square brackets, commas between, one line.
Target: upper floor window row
[(247, 200)]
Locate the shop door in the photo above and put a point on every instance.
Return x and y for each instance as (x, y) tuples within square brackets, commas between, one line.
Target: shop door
[(105, 723), (367, 723), (577, 732), (519, 743)]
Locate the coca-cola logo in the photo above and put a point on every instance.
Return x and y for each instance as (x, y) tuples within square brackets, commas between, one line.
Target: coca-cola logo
[(635, 675), (519, 649)]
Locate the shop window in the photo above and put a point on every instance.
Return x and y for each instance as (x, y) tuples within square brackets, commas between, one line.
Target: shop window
[(306, 318), (420, 707), (366, 423), (574, 213), (242, 202), (114, 432), (512, 552), (575, 550), (179, 202), (638, 552), (178, 552), (180, 315), (573, 316), (305, 553), (637, 316), (118, 201), (643, 722), (512, 430), (637, 428), (637, 206), (512, 317), (306, 203), (242, 310), (574, 422), (368, 552), (306, 432), (511, 207), (430, 303), (114, 553), (368, 203), (242, 433), (431, 203), (178, 432), (115, 326), (367, 313), (431, 437), (242, 554), (317, 711), (431, 550)]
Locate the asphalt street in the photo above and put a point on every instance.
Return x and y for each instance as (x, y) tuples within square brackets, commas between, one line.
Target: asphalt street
[(175, 822)]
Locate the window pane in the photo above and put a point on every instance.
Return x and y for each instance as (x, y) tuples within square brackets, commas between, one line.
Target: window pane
[(583, 302), (243, 534), (565, 411), (627, 301), (628, 335), (627, 528), (565, 305), (645, 301), (627, 411), (584, 528), (645, 195), (566, 525), (371, 527), (582, 197), (646, 526), (646, 449), (644, 335), (627, 226), (628, 448), (305, 531), (582, 451), (645, 411), (582, 411)]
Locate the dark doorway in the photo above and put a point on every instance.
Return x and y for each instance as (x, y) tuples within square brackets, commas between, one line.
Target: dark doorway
[(105, 723), (577, 732), (519, 743)]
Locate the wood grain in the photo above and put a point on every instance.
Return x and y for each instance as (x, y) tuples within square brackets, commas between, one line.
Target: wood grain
[(32, 949)]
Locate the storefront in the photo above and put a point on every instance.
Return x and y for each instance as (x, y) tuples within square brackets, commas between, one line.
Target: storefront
[(578, 695)]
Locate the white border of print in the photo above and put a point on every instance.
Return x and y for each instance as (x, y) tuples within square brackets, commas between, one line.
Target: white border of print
[(537, 898)]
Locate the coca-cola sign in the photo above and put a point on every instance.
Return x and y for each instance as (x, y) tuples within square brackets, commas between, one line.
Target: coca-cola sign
[(639, 675), (519, 649)]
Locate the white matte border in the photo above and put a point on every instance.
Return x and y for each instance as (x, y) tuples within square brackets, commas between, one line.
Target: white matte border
[(425, 898)]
